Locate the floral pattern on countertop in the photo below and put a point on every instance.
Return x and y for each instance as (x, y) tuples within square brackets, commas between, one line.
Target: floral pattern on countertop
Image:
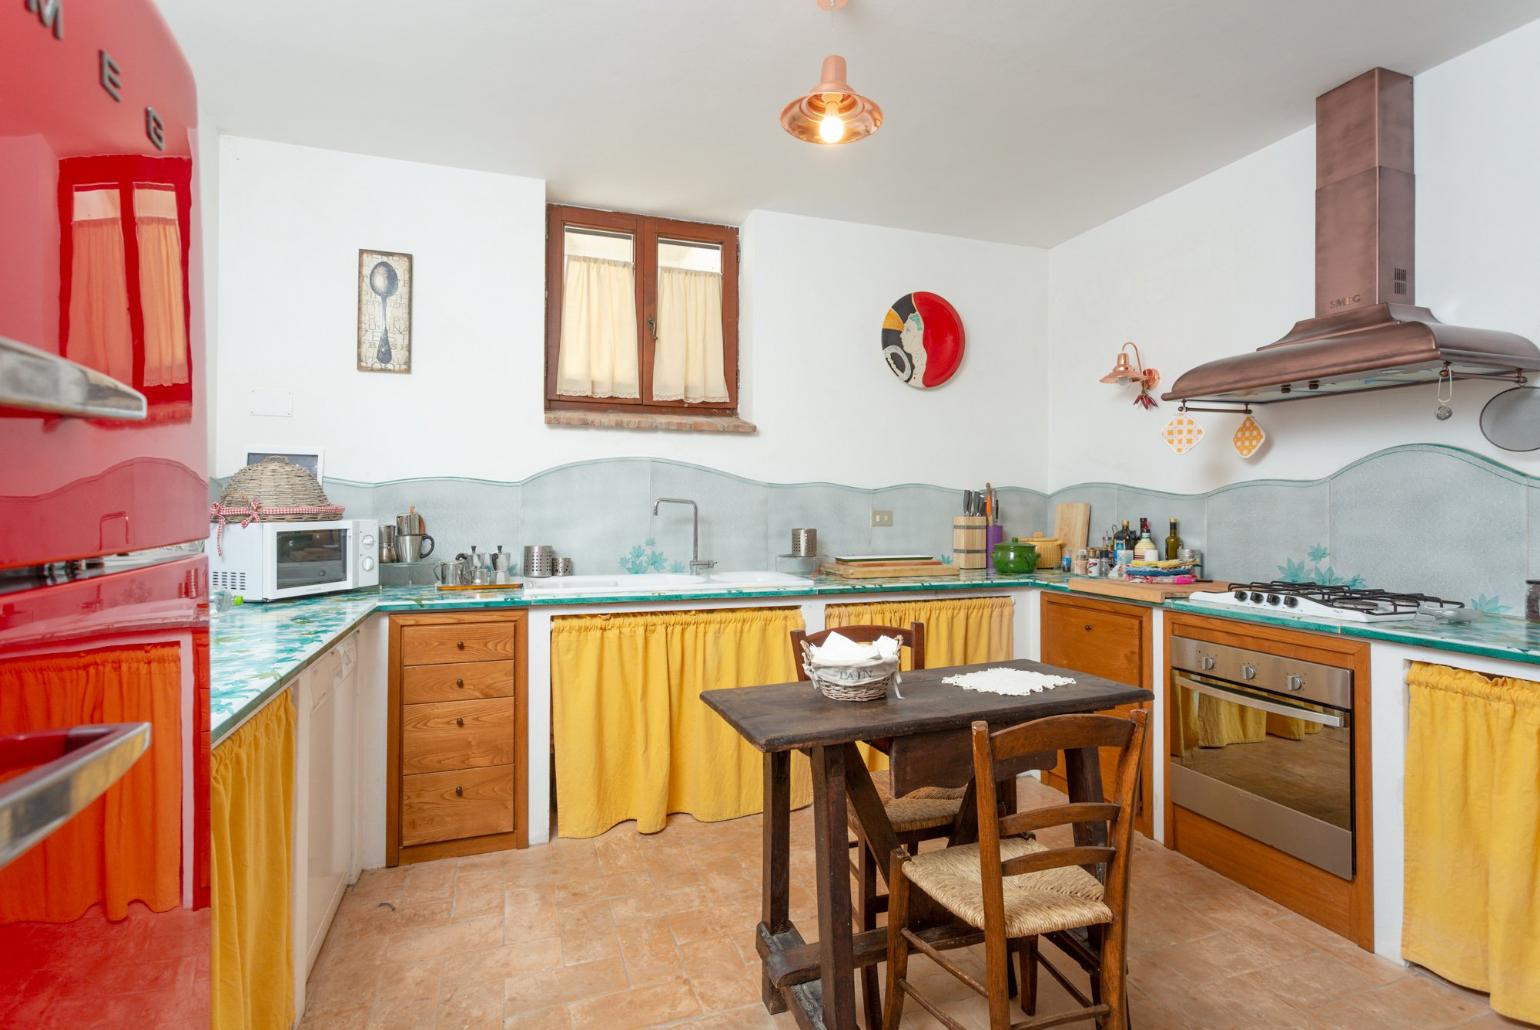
[(645, 557), (1489, 605), (1292, 571)]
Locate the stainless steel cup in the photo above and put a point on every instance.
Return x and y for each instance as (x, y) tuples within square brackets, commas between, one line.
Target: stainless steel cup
[(413, 546), (447, 573)]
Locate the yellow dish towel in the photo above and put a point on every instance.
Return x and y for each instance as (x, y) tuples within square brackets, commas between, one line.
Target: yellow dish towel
[(252, 799), (1472, 811), (633, 739), (963, 631)]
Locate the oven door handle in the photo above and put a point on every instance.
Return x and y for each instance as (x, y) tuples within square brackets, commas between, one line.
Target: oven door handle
[(35, 380), (79, 764), (1251, 701)]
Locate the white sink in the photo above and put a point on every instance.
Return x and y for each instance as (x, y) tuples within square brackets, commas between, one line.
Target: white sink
[(643, 583), (758, 579), (662, 583)]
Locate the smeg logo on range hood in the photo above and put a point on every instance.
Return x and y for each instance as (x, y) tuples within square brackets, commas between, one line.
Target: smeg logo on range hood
[(50, 16)]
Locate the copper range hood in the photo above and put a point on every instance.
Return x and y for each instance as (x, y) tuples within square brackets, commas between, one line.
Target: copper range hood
[(1367, 333)]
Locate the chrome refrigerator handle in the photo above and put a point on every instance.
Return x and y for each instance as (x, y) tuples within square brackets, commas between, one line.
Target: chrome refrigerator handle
[(88, 759), (36, 380)]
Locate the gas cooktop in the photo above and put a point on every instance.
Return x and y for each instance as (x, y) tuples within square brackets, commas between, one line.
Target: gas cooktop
[(1329, 602)]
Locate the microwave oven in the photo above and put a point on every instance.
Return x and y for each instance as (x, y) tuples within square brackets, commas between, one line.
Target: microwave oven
[(273, 561)]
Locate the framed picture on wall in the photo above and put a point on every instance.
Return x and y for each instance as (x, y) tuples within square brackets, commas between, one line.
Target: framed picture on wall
[(384, 311), (304, 457)]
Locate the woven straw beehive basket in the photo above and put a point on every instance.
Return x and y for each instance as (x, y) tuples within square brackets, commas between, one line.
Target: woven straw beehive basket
[(274, 483)]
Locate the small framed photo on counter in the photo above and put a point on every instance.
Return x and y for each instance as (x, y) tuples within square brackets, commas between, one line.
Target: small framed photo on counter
[(384, 311)]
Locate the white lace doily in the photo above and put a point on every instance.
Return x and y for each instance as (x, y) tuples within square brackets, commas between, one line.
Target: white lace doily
[(1006, 680)]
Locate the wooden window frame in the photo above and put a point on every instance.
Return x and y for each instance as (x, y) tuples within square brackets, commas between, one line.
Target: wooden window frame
[(645, 233)]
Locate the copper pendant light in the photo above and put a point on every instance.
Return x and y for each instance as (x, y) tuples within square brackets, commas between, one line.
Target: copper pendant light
[(831, 112)]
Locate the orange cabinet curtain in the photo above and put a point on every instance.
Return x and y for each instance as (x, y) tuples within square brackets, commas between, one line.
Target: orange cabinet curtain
[(1472, 818), (634, 740), (252, 798), (126, 846)]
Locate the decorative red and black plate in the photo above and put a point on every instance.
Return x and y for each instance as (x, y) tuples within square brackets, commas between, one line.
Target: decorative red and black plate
[(922, 339)]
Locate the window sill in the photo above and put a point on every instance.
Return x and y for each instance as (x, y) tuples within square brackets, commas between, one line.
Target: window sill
[(682, 423)]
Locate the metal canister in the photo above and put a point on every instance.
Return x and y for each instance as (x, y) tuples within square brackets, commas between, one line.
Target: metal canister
[(539, 561), (804, 543)]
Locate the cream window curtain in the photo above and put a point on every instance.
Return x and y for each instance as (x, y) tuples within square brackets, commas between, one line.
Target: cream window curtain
[(688, 363), (598, 329), (160, 287), (99, 333)]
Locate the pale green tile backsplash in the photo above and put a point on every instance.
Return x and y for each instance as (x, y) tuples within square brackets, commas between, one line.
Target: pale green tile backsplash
[(1418, 517)]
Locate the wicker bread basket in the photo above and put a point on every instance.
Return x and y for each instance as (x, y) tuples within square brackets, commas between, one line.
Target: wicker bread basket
[(868, 681), (273, 484)]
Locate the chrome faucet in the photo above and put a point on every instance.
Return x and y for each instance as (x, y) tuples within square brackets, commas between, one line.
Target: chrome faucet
[(697, 565)]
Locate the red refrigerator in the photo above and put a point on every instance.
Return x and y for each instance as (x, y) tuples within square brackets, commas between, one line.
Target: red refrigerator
[(104, 688)]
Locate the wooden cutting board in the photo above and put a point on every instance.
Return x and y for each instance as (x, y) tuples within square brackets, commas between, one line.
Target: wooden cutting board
[(890, 571), (1153, 593), (1072, 525)]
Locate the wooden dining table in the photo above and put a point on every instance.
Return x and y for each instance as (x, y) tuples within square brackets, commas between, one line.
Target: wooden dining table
[(926, 733)]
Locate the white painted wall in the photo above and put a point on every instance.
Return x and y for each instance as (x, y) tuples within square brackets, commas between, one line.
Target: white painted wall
[(1226, 264), (814, 292)]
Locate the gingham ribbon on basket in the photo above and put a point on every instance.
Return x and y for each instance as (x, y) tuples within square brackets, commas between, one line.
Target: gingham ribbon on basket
[(252, 511)]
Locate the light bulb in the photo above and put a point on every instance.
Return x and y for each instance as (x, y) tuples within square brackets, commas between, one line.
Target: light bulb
[(831, 128)]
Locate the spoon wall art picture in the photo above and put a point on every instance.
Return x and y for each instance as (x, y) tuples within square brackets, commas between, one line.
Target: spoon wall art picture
[(384, 311)]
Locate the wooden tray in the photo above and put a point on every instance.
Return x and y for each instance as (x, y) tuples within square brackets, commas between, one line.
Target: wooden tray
[(1154, 593), (890, 571), (482, 586)]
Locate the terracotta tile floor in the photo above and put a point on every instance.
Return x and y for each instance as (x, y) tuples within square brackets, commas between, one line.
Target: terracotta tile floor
[(630, 931)]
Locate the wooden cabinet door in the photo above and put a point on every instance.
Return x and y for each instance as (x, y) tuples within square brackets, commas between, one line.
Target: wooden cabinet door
[(1107, 639)]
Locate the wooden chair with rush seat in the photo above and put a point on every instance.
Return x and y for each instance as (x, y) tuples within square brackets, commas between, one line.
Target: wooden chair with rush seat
[(921, 815), (1015, 890)]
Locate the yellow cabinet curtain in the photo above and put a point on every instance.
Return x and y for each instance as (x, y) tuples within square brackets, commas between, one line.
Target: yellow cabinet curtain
[(962, 631), (633, 739), (252, 801), (1472, 812)]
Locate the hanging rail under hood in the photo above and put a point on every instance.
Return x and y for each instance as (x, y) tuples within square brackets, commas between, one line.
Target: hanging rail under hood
[(1367, 333)]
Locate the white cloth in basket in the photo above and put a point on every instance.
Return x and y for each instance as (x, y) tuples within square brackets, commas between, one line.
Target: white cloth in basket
[(1003, 679), (841, 650)]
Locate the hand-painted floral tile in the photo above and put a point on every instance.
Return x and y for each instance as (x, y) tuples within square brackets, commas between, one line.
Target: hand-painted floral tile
[(1248, 437), (922, 339), (1182, 433)]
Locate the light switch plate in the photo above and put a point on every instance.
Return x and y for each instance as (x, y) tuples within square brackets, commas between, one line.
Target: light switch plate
[(881, 517)]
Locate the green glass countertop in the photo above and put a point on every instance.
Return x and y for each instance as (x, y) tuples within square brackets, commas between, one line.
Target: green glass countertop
[(257, 648)]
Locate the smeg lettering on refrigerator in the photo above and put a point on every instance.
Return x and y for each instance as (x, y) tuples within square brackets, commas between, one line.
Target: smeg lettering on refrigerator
[(50, 16)]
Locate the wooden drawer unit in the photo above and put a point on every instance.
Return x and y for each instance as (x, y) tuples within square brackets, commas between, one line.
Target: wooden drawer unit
[(465, 803), (457, 743), (456, 681), (471, 642), (456, 735), (1108, 639)]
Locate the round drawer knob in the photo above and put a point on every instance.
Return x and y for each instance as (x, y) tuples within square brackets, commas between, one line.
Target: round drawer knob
[(460, 721), (460, 644), (1088, 627), (459, 792), (460, 681)]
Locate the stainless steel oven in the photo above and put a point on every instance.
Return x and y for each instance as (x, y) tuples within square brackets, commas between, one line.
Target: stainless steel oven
[(1263, 743)]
